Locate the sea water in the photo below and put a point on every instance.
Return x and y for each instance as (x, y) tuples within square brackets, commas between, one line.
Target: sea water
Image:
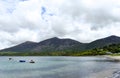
[(54, 67)]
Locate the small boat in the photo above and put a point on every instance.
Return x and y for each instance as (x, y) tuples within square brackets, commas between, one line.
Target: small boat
[(22, 61), (32, 61)]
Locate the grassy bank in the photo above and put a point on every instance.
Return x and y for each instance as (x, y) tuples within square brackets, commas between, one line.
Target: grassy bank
[(85, 53)]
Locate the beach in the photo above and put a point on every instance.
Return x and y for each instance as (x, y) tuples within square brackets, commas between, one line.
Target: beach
[(113, 57), (104, 74), (115, 73)]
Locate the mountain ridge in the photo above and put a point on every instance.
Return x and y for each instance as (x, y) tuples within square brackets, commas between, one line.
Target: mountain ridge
[(104, 42), (56, 44), (52, 44)]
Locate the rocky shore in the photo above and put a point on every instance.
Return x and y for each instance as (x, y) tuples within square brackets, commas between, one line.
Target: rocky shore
[(116, 74)]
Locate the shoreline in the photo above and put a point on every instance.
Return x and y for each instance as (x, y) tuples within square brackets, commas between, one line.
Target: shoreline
[(110, 73), (114, 73), (104, 74)]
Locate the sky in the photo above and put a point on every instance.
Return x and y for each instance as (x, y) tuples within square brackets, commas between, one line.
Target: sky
[(37, 20)]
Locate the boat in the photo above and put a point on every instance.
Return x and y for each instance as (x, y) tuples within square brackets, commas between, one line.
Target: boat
[(22, 61), (32, 61)]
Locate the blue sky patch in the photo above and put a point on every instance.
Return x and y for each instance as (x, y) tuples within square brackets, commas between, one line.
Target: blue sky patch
[(45, 13), (43, 10), (23, 0)]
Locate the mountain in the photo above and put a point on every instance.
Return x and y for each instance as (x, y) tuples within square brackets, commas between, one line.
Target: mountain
[(56, 44), (104, 42), (26, 46), (62, 45), (49, 45)]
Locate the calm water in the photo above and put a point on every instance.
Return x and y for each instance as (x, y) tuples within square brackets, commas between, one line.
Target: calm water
[(54, 67)]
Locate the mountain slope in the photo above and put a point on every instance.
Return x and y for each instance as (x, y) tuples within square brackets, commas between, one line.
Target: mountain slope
[(56, 44), (23, 47), (104, 42), (49, 45)]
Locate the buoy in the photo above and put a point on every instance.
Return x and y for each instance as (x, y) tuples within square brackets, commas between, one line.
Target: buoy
[(10, 58)]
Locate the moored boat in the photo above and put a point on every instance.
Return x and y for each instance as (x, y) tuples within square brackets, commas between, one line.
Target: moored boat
[(32, 61), (22, 61)]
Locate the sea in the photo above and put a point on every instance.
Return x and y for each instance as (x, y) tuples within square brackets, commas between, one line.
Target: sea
[(57, 67)]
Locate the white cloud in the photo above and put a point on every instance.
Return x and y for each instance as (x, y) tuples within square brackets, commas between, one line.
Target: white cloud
[(82, 20)]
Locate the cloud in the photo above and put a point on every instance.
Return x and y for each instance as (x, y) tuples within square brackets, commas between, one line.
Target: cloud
[(36, 20)]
